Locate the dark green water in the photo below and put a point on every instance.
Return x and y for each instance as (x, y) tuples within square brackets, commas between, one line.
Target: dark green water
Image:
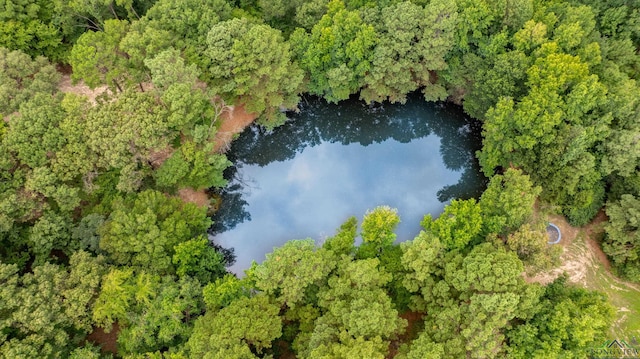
[(331, 162)]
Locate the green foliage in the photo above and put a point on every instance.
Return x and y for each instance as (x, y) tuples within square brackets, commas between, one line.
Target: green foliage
[(337, 53), (622, 241), (153, 312), (51, 231), (144, 230), (85, 234), (46, 312), (198, 259), (551, 132), (567, 323), (168, 68), (290, 269), (412, 44), (343, 242), (508, 201), (86, 352), (35, 132), (183, 25), (193, 166), (423, 348), (359, 316), (31, 27), (378, 228), (504, 78), (142, 126), (246, 326), (531, 245), (252, 63), (459, 224), (97, 59), (469, 299), (224, 291), (21, 78)]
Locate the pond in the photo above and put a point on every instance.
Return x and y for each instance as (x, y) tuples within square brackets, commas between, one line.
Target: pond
[(330, 162)]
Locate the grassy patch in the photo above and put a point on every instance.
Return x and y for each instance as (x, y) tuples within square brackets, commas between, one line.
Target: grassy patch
[(625, 297)]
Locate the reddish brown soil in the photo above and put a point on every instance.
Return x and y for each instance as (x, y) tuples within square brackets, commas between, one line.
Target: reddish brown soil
[(80, 88), (157, 157), (107, 341), (414, 320), (190, 195), (234, 121), (284, 350)]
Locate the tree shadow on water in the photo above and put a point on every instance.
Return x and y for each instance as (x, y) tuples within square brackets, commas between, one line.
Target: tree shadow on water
[(353, 121)]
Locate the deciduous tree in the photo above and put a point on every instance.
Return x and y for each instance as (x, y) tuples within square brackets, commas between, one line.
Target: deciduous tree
[(337, 53), (252, 64), (144, 229), (245, 327)]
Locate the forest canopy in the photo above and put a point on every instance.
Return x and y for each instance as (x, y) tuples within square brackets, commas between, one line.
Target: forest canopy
[(95, 236)]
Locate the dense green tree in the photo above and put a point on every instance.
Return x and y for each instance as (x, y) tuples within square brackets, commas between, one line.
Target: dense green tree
[(337, 53), (310, 12), (278, 10), (623, 153), (84, 234), (290, 269), (34, 133), (153, 312), (413, 42), (144, 229), (49, 232), (622, 241), (459, 224), (74, 159), (197, 258), (252, 64), (531, 245), (144, 128), (551, 132), (21, 78), (568, 322), (183, 25), (508, 201), (359, 317), (378, 234), (168, 68), (195, 167), (30, 26), (46, 312), (95, 13), (245, 327), (85, 352), (224, 291), (98, 60), (504, 78), (487, 280), (343, 242), (423, 348)]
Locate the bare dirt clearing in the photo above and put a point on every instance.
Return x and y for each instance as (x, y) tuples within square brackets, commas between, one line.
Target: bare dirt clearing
[(234, 121), (67, 86), (587, 265), (107, 341), (190, 195)]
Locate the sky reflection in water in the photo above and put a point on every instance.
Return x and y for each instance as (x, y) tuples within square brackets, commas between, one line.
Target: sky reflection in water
[(335, 161)]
